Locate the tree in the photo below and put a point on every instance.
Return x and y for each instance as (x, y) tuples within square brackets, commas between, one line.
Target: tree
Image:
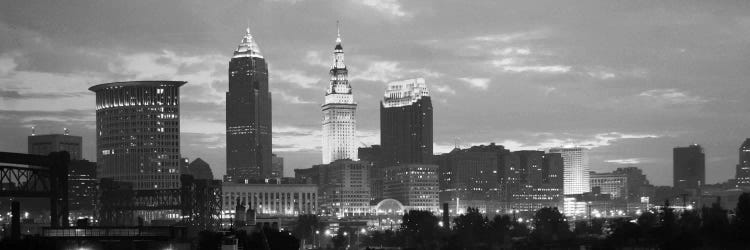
[(500, 226), (550, 225), (472, 228), (420, 228), (741, 223), (306, 226)]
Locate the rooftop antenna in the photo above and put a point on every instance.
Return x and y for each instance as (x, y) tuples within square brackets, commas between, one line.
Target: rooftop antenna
[(33, 130), (67, 132)]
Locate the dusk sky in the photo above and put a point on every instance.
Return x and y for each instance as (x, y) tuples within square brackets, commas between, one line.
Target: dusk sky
[(628, 79)]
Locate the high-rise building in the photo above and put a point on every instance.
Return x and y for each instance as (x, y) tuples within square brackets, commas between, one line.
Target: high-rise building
[(406, 123), (45, 144), (82, 189), (248, 114), (743, 168), (469, 179), (616, 185), (339, 112), (138, 139), (200, 170), (540, 181), (689, 167), (414, 185), (277, 166), (344, 188), (138, 133), (576, 172), (373, 155)]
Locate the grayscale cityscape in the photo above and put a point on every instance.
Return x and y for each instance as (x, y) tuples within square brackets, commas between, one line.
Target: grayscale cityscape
[(374, 124)]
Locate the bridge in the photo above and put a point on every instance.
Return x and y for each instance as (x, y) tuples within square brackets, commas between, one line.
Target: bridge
[(36, 176)]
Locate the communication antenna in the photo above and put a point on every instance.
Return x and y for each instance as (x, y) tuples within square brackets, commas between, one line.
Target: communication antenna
[(66, 131), (33, 130)]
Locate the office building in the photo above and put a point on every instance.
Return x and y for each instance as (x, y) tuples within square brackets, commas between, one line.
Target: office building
[(576, 172), (45, 144), (469, 179), (414, 185), (638, 185), (344, 188), (540, 180), (743, 168), (82, 189), (270, 199), (277, 166), (689, 167), (138, 137), (248, 114), (406, 123), (373, 155), (339, 112), (616, 185)]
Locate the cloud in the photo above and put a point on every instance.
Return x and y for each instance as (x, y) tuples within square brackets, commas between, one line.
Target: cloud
[(672, 96), (443, 89), (296, 77), (313, 58), (7, 64), (602, 75), (537, 68), (379, 71), (512, 37), (391, 7), (289, 98), (624, 161), (480, 83), (511, 51), (542, 141)]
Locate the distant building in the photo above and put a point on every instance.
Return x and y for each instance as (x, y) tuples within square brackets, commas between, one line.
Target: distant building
[(277, 166), (45, 144), (576, 172), (406, 123), (414, 185), (339, 112), (638, 186), (138, 136), (248, 114), (689, 167), (541, 180), (374, 155), (469, 179), (344, 188), (311, 175), (616, 185), (200, 170), (743, 168), (82, 189), (270, 199)]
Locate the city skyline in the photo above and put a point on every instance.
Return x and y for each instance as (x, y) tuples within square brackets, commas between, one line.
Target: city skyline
[(630, 95)]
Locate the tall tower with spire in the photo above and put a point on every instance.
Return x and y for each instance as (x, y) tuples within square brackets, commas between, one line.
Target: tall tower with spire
[(339, 123), (248, 114)]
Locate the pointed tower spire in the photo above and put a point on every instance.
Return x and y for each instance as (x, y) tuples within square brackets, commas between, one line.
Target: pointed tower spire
[(338, 32), (248, 47)]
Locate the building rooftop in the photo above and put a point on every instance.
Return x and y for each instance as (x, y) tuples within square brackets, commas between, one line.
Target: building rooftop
[(155, 83)]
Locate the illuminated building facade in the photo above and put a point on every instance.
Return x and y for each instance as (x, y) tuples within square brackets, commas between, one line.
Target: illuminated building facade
[(576, 171), (689, 167), (345, 188), (270, 199), (610, 183), (248, 114), (339, 108), (82, 189), (540, 180), (406, 123), (414, 185), (138, 136), (469, 179), (743, 168)]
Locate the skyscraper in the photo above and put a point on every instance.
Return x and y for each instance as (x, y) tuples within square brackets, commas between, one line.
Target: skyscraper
[(689, 167), (248, 114), (138, 133), (277, 163), (339, 123), (743, 168), (45, 144), (576, 170), (406, 123)]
